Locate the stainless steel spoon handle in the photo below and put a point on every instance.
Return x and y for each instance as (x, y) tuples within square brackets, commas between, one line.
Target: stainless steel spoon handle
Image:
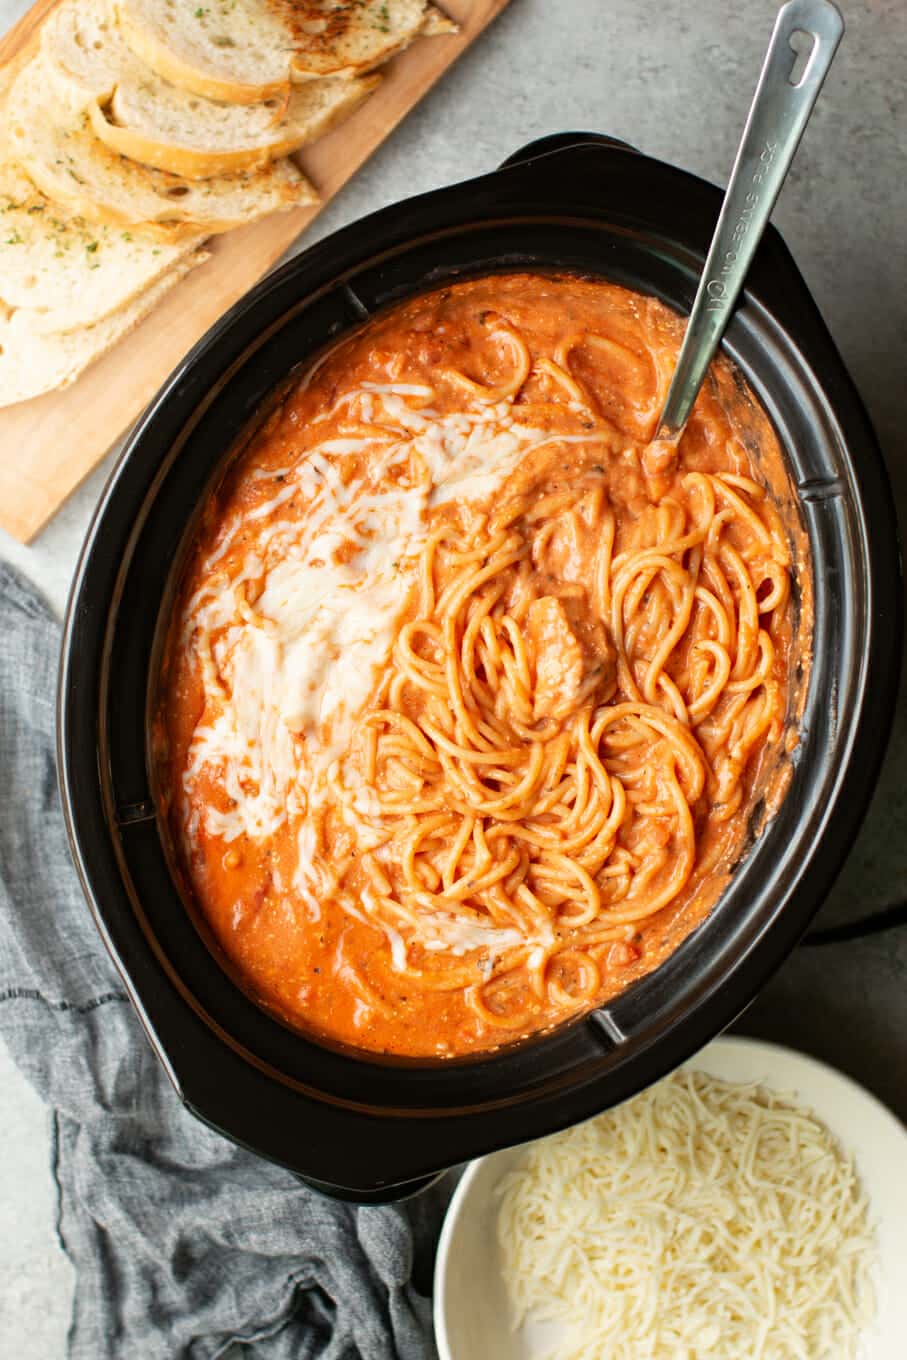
[(778, 114)]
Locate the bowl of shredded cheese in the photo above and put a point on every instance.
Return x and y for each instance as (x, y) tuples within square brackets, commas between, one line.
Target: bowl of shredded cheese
[(752, 1204)]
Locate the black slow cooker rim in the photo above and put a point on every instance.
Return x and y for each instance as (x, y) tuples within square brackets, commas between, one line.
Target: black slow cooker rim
[(187, 1043)]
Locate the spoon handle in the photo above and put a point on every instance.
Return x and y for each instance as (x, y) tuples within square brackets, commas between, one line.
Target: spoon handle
[(778, 114)]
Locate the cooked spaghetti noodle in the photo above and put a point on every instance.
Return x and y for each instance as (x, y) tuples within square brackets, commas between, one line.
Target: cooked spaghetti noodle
[(471, 692)]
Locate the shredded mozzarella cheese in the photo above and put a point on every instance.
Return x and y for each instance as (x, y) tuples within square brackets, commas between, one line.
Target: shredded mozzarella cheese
[(700, 1220)]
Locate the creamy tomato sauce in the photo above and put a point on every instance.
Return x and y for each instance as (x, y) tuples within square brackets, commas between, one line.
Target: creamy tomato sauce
[(469, 696)]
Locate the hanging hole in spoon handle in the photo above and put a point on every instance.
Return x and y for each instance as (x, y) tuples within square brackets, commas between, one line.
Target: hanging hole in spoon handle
[(803, 43)]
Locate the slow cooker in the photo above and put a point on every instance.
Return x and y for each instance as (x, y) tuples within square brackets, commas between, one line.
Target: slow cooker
[(359, 1125)]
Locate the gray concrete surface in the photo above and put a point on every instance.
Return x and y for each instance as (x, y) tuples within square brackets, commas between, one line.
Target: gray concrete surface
[(674, 79)]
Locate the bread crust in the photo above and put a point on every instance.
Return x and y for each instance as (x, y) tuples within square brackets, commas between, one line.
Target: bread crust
[(190, 163)]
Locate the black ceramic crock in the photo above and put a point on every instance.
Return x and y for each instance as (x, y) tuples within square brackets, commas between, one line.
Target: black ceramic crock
[(358, 1125)]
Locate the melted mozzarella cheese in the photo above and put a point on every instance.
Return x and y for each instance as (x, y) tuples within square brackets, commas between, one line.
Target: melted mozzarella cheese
[(293, 643), (457, 936), (301, 667)]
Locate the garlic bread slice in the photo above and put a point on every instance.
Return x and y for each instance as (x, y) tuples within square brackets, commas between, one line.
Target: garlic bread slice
[(67, 271), (34, 359), (140, 115), (55, 144), (243, 51)]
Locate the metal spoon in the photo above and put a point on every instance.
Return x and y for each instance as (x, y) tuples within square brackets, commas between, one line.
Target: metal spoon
[(778, 114)]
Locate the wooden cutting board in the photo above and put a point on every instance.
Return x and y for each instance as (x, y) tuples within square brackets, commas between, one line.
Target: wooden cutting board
[(48, 445)]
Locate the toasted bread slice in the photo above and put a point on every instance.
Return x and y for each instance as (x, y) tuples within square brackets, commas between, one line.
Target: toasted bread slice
[(54, 143), (70, 273), (437, 24), (36, 359), (348, 39), (249, 50), (237, 52), (142, 116)]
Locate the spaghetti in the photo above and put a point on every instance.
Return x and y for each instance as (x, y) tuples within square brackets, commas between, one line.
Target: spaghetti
[(470, 695)]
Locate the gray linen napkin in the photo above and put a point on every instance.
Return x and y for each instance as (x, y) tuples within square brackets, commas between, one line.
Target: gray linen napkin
[(184, 1245)]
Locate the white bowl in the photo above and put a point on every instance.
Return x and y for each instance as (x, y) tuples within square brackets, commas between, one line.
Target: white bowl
[(472, 1311)]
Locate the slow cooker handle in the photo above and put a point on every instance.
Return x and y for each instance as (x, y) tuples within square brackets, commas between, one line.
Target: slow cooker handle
[(564, 141)]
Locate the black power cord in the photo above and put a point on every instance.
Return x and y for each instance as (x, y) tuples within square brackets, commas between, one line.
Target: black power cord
[(887, 918)]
